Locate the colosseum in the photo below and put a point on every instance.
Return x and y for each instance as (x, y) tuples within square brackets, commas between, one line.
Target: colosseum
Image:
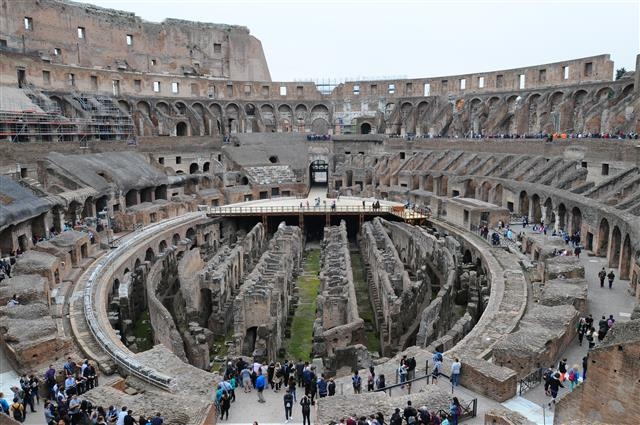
[(169, 214)]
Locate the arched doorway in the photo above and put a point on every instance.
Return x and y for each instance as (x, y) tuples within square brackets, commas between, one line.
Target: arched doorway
[(484, 191), (576, 220), (497, 195), (193, 168), (318, 173), (537, 209), (176, 239), (625, 258), (149, 255), (549, 215), (616, 244), (365, 128), (162, 247), (191, 235), (524, 204), (562, 217), (603, 238), (181, 129)]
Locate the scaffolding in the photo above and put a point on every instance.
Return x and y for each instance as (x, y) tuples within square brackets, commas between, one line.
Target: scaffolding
[(43, 120)]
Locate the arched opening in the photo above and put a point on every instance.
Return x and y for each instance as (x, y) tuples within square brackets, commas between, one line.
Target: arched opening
[(625, 258), (115, 288), (101, 203), (320, 126), (603, 238), (497, 195), (562, 217), (206, 167), (549, 215), (193, 168), (136, 264), (523, 207), (318, 173), (576, 220), (162, 246), (149, 255), (249, 342), (131, 198), (537, 209), (87, 210), (616, 245), (175, 240), (469, 189), (161, 192), (428, 183), (467, 258), (191, 235), (484, 191), (365, 128), (244, 181), (181, 129)]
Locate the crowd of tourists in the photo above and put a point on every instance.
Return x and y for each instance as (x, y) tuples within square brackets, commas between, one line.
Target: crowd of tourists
[(62, 403), (549, 137)]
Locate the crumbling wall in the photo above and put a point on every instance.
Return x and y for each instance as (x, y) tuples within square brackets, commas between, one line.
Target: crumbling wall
[(262, 306), (338, 323)]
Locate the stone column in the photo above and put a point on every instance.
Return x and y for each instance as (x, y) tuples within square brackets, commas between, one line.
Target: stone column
[(556, 224), (636, 86)]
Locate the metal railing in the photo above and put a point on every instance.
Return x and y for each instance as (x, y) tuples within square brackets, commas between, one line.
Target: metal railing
[(530, 381), (102, 271), (316, 209), (469, 410)]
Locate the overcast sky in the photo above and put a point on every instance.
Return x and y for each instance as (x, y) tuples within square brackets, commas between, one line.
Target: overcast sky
[(358, 39)]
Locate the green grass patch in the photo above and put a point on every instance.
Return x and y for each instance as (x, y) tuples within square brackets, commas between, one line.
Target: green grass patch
[(143, 332), (300, 344), (365, 311)]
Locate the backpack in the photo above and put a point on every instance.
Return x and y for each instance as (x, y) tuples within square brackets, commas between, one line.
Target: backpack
[(572, 375), (439, 356), (18, 414)]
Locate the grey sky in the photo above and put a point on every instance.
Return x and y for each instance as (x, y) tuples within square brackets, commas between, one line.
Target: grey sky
[(309, 39)]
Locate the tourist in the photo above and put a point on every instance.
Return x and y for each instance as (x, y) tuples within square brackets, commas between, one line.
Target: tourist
[(611, 276), (292, 387), (444, 420), (402, 372), (13, 301), (455, 410), (456, 366), (581, 327), (371, 376), (590, 337), (245, 376), (410, 413), (331, 387), (288, 406), (356, 382), (129, 419), (603, 328), (380, 382), (437, 365), (585, 362), (121, 415), (396, 419), (551, 387), (562, 368), (225, 405), (305, 402), (4, 404), (602, 274), (261, 383), (300, 373), (573, 375), (18, 410), (322, 386), (158, 420)]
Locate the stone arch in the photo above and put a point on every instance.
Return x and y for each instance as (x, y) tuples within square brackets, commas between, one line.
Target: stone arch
[(467, 258), (576, 220), (131, 198), (579, 96), (625, 258), (193, 168), (215, 109), (428, 183), (603, 238), (175, 240), (136, 265), (232, 115), (469, 189), (191, 235), (536, 209), (163, 108), (549, 215), (493, 101), (182, 129), (555, 99), (523, 204), (627, 90), (206, 167), (88, 208), (268, 117), (162, 246), (320, 126), (300, 117), (144, 108), (616, 247), (320, 110), (180, 107), (124, 106), (149, 255), (202, 112), (562, 217), (115, 288), (285, 118), (603, 94), (485, 189), (250, 109), (497, 194), (365, 128)]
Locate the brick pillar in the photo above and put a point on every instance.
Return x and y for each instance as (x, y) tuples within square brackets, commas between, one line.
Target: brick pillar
[(636, 86)]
